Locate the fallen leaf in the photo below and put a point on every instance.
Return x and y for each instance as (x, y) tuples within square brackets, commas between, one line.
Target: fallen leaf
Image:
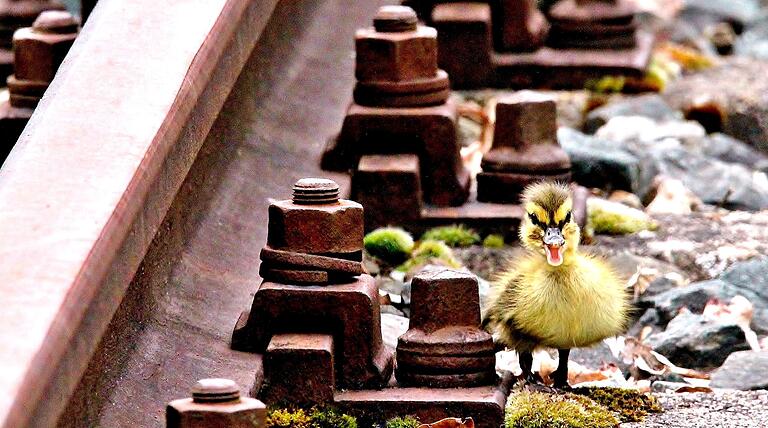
[(694, 389), (451, 423)]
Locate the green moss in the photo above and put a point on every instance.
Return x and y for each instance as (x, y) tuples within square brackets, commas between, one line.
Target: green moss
[(390, 244), (435, 252), (539, 410), (606, 84), (493, 241), (406, 422), (453, 236), (629, 404), (314, 418), (330, 418), (284, 418), (616, 219)]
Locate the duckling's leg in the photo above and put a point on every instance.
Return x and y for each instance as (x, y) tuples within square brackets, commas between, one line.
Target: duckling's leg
[(560, 376), (525, 358)]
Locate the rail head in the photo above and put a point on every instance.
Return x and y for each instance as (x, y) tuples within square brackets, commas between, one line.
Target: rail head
[(89, 181)]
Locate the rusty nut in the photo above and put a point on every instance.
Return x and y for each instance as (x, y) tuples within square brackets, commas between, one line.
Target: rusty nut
[(216, 403), (524, 118), (40, 49), (396, 56), (317, 229)]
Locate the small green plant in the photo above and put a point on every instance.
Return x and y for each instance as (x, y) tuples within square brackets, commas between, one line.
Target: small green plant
[(390, 244), (615, 218), (629, 404), (284, 418), (330, 418), (406, 422), (537, 410), (453, 236), (314, 418), (430, 252), (493, 241)]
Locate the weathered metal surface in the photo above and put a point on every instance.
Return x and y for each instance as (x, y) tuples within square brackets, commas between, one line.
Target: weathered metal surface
[(85, 191), (203, 266), (216, 403), (349, 312), (444, 345), (398, 195), (15, 14), (484, 404), (580, 45), (525, 149), (38, 52), (401, 107), (299, 368)]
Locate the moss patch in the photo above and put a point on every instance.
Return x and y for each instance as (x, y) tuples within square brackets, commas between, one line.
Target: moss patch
[(390, 244), (493, 241), (453, 236), (284, 418), (314, 418), (630, 405), (430, 252), (538, 410), (616, 219), (406, 422)]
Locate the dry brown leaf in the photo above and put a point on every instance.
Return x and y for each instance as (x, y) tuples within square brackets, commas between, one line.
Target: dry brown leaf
[(694, 389), (451, 423)]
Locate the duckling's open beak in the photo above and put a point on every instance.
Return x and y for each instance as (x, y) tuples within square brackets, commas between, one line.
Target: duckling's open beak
[(554, 244)]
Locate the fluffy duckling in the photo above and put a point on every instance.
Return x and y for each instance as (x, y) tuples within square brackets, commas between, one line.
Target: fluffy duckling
[(554, 296)]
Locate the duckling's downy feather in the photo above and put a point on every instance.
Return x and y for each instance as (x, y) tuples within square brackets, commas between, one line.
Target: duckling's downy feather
[(536, 305)]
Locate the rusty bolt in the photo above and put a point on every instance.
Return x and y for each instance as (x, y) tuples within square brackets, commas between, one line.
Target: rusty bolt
[(525, 118), (444, 345), (395, 19), (216, 403), (316, 221), (40, 49), (396, 49), (15, 14)]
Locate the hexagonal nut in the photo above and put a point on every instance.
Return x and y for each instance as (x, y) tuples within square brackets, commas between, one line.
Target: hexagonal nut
[(316, 229), (396, 57), (243, 413), (523, 118), (37, 56)]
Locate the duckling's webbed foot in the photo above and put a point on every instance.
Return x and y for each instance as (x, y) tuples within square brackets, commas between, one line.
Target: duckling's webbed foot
[(560, 376)]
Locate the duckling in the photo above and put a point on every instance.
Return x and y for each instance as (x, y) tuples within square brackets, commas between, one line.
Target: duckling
[(554, 296)]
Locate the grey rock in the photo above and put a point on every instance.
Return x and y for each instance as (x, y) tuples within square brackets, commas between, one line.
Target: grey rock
[(745, 370), (649, 318), (600, 163), (695, 341), (715, 182), (750, 275), (740, 85), (739, 13), (729, 149), (753, 42), (748, 279), (652, 106)]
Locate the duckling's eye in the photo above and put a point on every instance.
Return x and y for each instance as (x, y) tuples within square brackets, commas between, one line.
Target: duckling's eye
[(535, 221)]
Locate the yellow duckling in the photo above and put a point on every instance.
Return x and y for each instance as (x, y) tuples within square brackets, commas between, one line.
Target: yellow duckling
[(554, 296)]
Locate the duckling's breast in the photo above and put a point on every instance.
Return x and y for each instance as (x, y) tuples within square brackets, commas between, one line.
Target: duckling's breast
[(572, 306)]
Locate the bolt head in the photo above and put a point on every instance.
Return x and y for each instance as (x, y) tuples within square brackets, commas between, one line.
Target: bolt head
[(395, 19), (315, 191), (215, 390), (56, 22)]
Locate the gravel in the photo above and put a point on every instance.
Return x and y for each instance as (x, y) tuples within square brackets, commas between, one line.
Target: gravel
[(721, 409)]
